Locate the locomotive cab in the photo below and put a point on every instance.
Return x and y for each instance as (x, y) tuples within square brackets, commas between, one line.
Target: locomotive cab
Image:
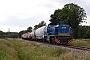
[(59, 33), (64, 34)]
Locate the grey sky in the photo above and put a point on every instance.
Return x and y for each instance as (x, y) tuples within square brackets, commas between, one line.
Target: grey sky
[(20, 14)]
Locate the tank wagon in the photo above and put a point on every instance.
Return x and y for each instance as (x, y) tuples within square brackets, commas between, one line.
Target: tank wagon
[(27, 36), (53, 33)]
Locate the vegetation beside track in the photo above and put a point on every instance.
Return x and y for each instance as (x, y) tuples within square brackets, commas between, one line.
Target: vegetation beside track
[(16, 49), (81, 43)]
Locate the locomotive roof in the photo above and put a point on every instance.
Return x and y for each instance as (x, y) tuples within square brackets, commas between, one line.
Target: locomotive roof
[(54, 23)]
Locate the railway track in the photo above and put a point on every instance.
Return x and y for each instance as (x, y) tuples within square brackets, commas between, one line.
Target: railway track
[(69, 47), (80, 48)]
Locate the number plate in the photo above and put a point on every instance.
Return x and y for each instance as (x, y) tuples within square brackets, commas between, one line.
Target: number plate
[(63, 27)]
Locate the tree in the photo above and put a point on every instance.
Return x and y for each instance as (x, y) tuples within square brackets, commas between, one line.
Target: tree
[(29, 29), (42, 23), (71, 14), (1, 34), (22, 32), (35, 27), (56, 16), (82, 31), (88, 32)]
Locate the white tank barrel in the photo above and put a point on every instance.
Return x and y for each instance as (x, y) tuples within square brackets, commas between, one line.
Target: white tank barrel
[(39, 33)]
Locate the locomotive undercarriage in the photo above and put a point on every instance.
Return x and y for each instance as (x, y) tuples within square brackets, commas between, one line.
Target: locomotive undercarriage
[(58, 39)]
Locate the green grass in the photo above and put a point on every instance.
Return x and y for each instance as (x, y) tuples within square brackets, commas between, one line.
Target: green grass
[(14, 49), (81, 43)]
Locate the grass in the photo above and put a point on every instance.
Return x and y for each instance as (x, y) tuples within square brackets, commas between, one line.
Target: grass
[(15, 49), (81, 43)]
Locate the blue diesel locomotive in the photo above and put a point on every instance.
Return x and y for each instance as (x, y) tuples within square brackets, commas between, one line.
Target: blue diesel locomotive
[(58, 33)]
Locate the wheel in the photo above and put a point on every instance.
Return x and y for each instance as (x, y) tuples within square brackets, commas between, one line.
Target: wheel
[(53, 40), (44, 40)]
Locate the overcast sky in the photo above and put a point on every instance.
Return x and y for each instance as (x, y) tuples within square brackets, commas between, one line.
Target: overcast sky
[(20, 14)]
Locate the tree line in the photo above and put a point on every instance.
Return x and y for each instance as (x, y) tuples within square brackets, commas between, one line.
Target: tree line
[(70, 14), (9, 34)]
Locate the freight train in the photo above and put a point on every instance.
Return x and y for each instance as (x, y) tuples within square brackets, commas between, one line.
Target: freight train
[(52, 33)]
